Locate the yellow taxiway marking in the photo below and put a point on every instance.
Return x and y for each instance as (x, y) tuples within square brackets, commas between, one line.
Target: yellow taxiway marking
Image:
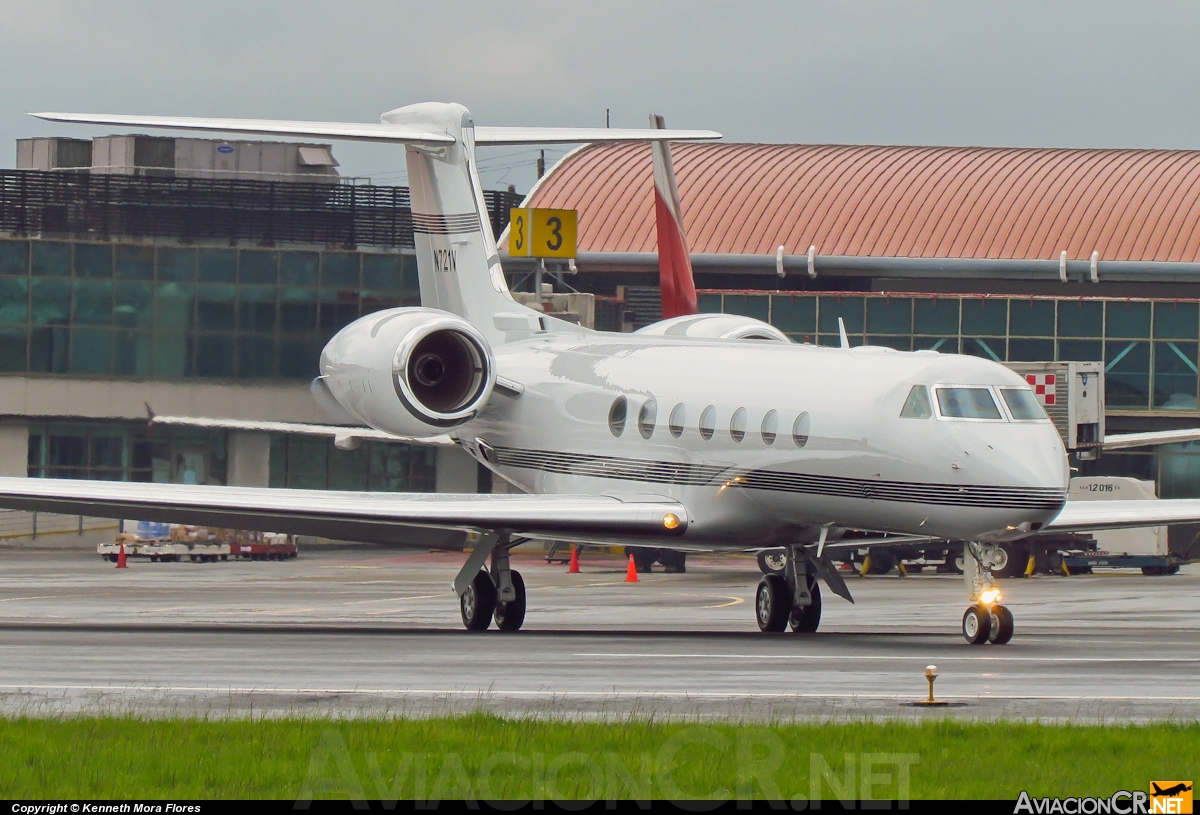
[(733, 601), (394, 599)]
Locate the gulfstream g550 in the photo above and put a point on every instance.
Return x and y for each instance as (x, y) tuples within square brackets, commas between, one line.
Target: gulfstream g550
[(703, 431)]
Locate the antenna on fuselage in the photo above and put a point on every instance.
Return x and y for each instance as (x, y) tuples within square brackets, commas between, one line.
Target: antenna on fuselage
[(842, 333)]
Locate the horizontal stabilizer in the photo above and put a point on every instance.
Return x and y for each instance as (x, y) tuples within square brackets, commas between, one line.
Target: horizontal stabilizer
[(1086, 516), (1152, 438), (351, 131), (580, 135), (340, 433)]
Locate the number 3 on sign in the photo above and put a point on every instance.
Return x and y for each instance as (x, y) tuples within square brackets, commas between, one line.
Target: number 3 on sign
[(518, 233), (543, 233)]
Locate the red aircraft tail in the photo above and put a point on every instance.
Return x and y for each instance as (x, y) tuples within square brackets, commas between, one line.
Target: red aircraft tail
[(674, 263)]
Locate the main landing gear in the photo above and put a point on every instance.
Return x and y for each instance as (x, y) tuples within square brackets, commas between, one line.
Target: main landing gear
[(491, 594), (985, 620), (791, 598)]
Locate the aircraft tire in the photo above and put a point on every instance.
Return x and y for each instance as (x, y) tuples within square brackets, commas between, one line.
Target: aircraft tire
[(1011, 560), (511, 615), (806, 619), (478, 602), (771, 561), (772, 604), (976, 624), (1002, 626)]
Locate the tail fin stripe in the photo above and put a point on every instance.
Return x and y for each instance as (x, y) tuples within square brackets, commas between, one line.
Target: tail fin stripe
[(446, 224)]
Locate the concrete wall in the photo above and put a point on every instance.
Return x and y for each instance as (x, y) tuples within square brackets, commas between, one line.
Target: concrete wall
[(77, 397)]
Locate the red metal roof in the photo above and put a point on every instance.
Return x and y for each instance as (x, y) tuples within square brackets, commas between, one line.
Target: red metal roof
[(959, 202)]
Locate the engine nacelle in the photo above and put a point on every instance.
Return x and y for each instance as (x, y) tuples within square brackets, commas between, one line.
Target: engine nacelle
[(716, 327), (410, 371)]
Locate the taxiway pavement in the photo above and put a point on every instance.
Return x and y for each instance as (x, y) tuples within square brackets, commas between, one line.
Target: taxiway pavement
[(359, 631)]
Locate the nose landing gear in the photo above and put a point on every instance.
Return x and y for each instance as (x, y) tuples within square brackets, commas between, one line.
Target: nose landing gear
[(985, 620)]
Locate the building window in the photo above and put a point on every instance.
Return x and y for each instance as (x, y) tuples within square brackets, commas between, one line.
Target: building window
[(124, 451), (1150, 348), (315, 463), (170, 312)]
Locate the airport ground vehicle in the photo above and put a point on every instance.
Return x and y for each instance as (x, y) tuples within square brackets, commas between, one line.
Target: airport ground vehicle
[(161, 542)]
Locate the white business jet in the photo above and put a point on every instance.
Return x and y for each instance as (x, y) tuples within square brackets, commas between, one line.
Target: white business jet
[(702, 431)]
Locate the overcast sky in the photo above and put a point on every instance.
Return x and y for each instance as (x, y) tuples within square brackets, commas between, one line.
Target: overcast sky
[(1087, 73)]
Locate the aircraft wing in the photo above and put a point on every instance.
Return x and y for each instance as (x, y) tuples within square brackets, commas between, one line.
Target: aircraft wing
[(372, 517), (343, 436), (382, 132), (1125, 441), (351, 131), (1086, 516)]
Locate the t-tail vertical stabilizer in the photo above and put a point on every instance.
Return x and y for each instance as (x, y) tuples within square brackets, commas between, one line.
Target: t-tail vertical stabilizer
[(457, 260)]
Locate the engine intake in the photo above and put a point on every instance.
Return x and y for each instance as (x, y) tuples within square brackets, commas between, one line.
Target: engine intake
[(442, 368), (438, 367)]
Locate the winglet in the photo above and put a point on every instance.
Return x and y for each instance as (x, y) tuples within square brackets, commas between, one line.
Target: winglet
[(842, 333)]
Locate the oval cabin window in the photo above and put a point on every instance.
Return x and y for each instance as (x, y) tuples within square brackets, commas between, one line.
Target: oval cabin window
[(770, 427), (737, 425), (646, 418), (676, 422), (800, 430), (617, 415), (708, 422)]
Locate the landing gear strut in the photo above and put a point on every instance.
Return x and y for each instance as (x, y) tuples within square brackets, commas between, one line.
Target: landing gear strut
[(985, 620), (496, 593), (790, 597)]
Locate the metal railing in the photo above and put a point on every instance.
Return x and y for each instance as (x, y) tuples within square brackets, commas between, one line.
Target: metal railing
[(105, 207), (20, 524)]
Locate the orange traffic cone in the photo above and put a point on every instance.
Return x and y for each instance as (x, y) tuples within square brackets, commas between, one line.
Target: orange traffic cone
[(121, 558), (574, 567), (631, 572)]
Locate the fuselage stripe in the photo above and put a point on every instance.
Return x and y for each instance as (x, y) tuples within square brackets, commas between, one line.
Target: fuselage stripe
[(666, 472)]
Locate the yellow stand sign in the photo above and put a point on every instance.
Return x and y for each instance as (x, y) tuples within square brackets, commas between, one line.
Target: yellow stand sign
[(543, 233)]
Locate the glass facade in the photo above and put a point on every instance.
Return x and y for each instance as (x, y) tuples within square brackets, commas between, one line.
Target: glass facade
[(1149, 348), (125, 451), (129, 451), (314, 463), (171, 312)]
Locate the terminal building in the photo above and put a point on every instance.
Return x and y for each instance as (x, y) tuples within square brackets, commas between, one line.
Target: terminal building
[(1010, 254), (195, 277), (202, 277)]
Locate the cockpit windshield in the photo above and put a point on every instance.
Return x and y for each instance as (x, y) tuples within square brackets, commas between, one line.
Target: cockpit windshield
[(1022, 404), (917, 405), (967, 403)]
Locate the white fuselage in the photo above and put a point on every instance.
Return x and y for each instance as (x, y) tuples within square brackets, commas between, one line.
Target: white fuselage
[(861, 466)]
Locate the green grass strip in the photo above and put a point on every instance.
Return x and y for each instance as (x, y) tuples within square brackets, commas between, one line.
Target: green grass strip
[(484, 756)]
